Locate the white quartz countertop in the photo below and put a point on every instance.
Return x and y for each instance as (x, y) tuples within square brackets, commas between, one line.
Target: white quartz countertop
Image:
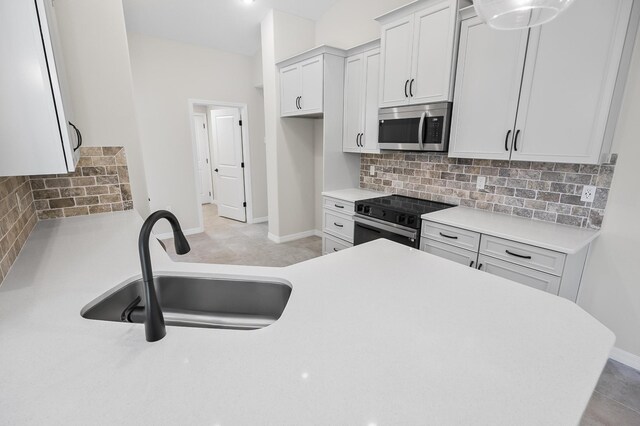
[(352, 195), (376, 334), (552, 236)]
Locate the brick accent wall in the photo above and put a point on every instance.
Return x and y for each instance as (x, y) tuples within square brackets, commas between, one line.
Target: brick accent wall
[(541, 191), (100, 184), (17, 219)]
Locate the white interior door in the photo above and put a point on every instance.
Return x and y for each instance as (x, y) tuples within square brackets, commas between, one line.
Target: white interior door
[(204, 158), (227, 140)]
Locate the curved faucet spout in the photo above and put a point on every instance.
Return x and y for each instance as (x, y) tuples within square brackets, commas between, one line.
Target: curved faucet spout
[(154, 327)]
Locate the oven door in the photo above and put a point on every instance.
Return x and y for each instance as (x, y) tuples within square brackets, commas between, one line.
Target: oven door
[(369, 229)]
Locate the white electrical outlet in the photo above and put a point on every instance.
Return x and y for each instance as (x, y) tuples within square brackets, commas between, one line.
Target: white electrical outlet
[(372, 171), (482, 181), (588, 193)]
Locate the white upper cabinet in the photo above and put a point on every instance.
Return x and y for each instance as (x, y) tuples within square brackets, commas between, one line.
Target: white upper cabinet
[(418, 51), (301, 88), (397, 40), (353, 88), (361, 102), (36, 128), (561, 105), (569, 82), (490, 65)]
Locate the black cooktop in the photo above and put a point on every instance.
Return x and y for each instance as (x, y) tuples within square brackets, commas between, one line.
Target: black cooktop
[(398, 209), (400, 203)]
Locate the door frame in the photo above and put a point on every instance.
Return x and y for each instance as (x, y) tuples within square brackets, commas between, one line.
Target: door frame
[(246, 152), (210, 174)]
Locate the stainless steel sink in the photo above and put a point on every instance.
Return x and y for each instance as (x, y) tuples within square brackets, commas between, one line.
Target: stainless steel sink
[(200, 302)]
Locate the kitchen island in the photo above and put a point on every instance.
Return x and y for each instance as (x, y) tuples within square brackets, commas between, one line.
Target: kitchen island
[(376, 334)]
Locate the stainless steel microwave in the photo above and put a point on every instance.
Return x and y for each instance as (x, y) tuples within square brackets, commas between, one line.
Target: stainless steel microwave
[(415, 127)]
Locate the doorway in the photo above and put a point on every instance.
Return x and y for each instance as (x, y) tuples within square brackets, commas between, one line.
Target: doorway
[(221, 160)]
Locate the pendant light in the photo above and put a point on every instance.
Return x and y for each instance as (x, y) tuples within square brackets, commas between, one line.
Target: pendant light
[(518, 14)]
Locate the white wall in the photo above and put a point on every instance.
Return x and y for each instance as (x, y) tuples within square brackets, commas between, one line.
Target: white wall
[(94, 41), (349, 23), (610, 288), (290, 144), (166, 74)]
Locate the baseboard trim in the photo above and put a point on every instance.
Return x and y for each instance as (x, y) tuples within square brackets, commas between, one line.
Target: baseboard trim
[(318, 233), (625, 358), (292, 237), (260, 219), (169, 235)]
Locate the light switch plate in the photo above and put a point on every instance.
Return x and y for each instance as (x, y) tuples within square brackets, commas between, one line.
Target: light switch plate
[(482, 181), (588, 193)]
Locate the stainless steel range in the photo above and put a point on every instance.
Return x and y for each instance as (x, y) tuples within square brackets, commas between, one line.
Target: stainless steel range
[(395, 217)]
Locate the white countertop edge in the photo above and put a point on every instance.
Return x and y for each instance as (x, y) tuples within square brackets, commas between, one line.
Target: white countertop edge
[(352, 195), (585, 236)]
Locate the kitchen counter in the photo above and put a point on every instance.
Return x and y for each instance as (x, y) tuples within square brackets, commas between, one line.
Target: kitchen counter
[(376, 334), (552, 236), (352, 195)]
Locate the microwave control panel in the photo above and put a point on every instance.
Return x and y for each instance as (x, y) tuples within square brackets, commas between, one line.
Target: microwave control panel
[(435, 128)]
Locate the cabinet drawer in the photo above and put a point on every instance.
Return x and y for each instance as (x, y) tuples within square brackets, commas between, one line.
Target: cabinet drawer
[(456, 254), (339, 225), (533, 257), (462, 238), (331, 244), (520, 274), (339, 205)]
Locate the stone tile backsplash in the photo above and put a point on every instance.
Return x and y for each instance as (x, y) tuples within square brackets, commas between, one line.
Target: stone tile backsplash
[(100, 184), (17, 219), (541, 191)]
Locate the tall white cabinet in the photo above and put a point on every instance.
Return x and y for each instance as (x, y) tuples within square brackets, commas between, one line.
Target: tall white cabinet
[(362, 70), (418, 48), (551, 93), (36, 121)]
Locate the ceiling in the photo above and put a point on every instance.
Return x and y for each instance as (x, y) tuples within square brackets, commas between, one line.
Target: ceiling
[(229, 25)]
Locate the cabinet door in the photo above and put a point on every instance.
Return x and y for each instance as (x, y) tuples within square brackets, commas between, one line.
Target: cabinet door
[(31, 142), (289, 90), (353, 96), (456, 254), (371, 85), (397, 40), (71, 136), (520, 274), (311, 74), (489, 72), (568, 84), (433, 36)]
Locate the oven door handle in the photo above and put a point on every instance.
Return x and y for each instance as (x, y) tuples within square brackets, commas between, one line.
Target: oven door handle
[(421, 131), (378, 225)]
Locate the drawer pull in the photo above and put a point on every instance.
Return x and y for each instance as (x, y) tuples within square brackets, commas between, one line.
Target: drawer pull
[(480, 267), (338, 225), (471, 264), (339, 206), (521, 256), (448, 236), (335, 249)]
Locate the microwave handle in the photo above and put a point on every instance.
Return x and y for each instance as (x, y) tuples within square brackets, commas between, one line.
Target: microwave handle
[(420, 131)]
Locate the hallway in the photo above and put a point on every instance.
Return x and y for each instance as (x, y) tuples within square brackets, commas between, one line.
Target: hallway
[(226, 241)]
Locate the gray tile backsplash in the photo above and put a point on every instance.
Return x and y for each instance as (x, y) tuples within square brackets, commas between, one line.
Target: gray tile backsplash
[(541, 191)]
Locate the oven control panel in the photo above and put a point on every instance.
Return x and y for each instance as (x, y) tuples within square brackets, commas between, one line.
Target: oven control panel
[(399, 218)]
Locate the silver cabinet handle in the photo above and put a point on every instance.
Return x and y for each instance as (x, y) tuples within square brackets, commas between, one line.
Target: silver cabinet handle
[(420, 129)]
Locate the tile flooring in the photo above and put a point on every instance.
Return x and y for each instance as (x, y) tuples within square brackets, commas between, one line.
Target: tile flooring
[(615, 402), (229, 242)]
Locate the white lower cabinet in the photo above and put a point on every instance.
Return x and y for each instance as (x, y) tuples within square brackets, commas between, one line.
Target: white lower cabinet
[(456, 254), (520, 274), (331, 244), (543, 269)]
